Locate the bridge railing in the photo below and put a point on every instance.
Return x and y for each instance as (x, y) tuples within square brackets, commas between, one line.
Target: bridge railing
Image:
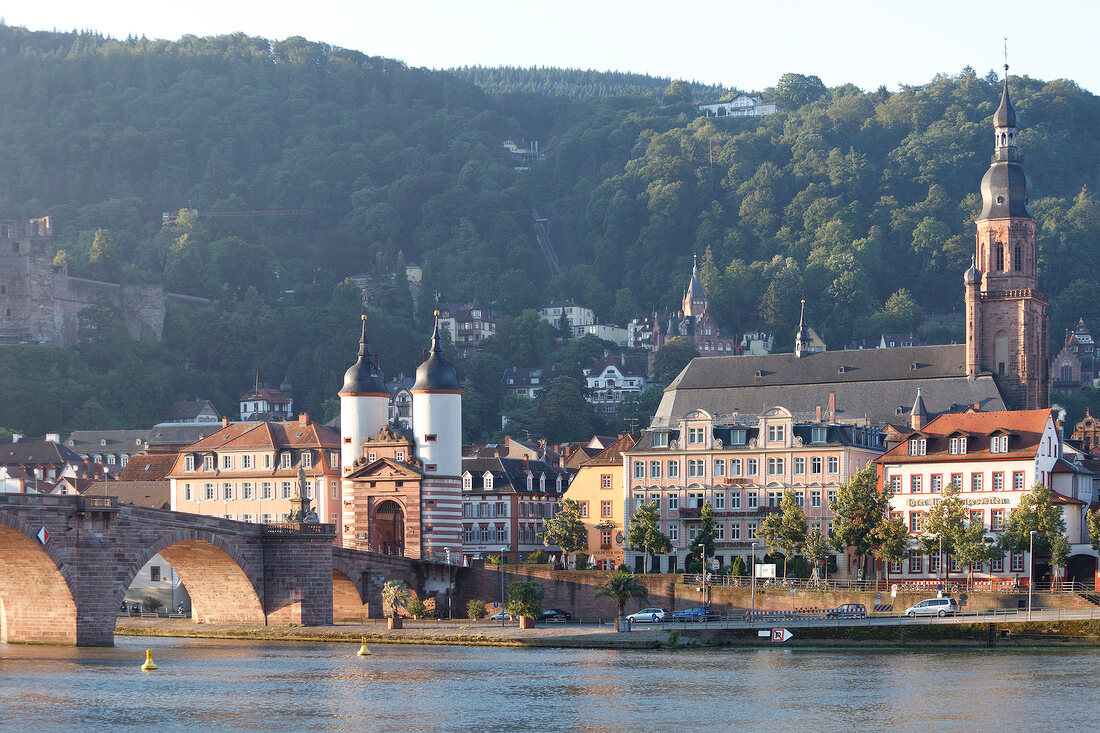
[(384, 548), (984, 585)]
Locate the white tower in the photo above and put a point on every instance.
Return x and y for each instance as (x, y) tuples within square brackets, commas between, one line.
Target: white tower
[(364, 404), (437, 428)]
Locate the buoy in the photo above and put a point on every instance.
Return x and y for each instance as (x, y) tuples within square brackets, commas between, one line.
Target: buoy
[(363, 651), (148, 661)]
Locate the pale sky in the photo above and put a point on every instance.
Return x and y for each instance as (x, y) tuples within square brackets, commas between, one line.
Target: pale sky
[(747, 45)]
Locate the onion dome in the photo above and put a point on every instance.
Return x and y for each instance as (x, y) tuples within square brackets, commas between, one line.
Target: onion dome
[(1006, 113), (436, 374), (364, 376), (1006, 187), (972, 276)]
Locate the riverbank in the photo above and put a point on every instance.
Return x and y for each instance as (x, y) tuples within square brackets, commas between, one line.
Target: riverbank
[(482, 633)]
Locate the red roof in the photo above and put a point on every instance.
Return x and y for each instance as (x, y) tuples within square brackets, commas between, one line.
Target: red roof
[(1024, 426)]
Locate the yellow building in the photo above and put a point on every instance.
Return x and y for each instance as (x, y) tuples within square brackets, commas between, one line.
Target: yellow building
[(598, 490)]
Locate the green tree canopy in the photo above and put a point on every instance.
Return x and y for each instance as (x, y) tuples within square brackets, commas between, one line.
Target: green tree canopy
[(621, 587), (671, 359), (565, 529), (645, 534), (859, 512)]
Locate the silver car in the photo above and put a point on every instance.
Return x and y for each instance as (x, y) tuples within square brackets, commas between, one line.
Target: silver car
[(647, 615), (933, 607)]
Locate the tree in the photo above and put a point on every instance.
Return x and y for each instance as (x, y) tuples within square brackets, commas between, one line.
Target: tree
[(944, 526), (1093, 520), (565, 529), (566, 415), (621, 587), (859, 510), (525, 598), (704, 538), (785, 530), (891, 540), (737, 567), (475, 609), (395, 595), (1037, 512), (671, 359), (645, 532)]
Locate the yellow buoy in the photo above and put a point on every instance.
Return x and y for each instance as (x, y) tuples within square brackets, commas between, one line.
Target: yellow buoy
[(148, 661), (363, 651)]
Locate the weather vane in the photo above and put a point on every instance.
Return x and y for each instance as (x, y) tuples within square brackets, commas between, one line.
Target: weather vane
[(1006, 55)]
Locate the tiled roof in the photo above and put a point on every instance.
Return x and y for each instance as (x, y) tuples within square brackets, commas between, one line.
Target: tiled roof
[(148, 467), (154, 494), (107, 441), (1024, 426), (35, 451), (510, 474), (268, 436), (613, 454)]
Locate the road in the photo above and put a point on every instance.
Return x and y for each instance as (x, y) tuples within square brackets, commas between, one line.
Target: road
[(999, 616)]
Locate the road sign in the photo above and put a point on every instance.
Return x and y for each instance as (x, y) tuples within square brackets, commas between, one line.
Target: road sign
[(764, 633), (496, 605), (765, 570), (43, 535), (715, 563), (781, 635), (894, 590)]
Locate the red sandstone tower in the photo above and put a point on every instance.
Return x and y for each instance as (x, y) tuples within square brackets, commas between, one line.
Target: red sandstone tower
[(1006, 315)]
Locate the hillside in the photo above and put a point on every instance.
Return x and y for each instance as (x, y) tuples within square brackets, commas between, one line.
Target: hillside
[(860, 202)]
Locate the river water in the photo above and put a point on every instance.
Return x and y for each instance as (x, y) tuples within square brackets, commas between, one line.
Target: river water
[(231, 685)]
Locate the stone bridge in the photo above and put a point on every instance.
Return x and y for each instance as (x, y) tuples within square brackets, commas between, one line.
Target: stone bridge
[(66, 562)]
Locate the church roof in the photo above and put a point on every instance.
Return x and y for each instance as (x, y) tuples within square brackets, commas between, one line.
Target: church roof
[(436, 373), (878, 385)]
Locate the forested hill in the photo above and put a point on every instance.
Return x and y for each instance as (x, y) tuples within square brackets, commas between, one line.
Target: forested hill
[(844, 197), (551, 81)]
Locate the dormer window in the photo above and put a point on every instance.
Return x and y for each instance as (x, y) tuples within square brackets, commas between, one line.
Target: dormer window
[(307, 459), (957, 446), (467, 481), (188, 463), (487, 480), (208, 463), (530, 481), (660, 440), (284, 459), (998, 444), (737, 437), (918, 447), (696, 436), (542, 482), (817, 435), (775, 433)]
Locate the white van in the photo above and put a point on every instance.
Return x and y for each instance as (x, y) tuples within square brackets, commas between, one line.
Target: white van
[(933, 607)]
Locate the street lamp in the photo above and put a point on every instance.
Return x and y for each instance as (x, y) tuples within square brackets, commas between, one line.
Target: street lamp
[(753, 581), (939, 563), (703, 568), (502, 612), (1030, 571)]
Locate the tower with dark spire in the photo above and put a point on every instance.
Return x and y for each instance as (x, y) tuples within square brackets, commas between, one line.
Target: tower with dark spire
[(364, 403), (1007, 321), (437, 429), (802, 337), (695, 300)]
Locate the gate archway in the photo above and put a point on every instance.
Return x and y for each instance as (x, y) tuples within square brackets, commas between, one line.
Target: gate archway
[(389, 528)]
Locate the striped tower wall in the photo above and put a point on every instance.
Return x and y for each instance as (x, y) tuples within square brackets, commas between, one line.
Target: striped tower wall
[(441, 516)]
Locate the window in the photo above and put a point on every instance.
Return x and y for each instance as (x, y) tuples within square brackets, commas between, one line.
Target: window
[(997, 520), (605, 481), (915, 521), (752, 500), (227, 462), (719, 468), (720, 500), (502, 533), (817, 435), (750, 530), (284, 459), (674, 501), (774, 497), (267, 464), (487, 480), (916, 563), (834, 465), (895, 485), (975, 482), (467, 481), (735, 467), (372, 457), (815, 465), (957, 446), (605, 538), (751, 468), (246, 490), (915, 484), (660, 440), (500, 509), (1017, 480), (673, 469), (285, 489), (696, 436), (997, 565), (720, 531), (775, 433), (399, 456), (187, 492), (246, 461), (933, 563), (655, 500), (936, 482), (1000, 258), (605, 509), (655, 469), (208, 463), (208, 492), (831, 495), (695, 468), (998, 482), (154, 573), (674, 532), (954, 564), (639, 469), (799, 466), (227, 491), (957, 479), (977, 517), (735, 531), (918, 447), (998, 444), (815, 499), (189, 463), (775, 466), (1017, 563), (735, 500)]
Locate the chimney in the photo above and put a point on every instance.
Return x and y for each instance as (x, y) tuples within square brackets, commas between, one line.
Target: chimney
[(832, 406), (817, 413), (303, 418), (225, 422), (53, 438), (507, 440), (16, 437)]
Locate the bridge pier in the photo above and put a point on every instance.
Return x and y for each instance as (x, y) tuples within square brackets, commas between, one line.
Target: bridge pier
[(298, 574)]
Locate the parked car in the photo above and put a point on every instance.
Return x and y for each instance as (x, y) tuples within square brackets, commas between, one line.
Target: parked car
[(933, 607), (556, 614), (695, 613), (502, 616), (648, 615), (848, 610)]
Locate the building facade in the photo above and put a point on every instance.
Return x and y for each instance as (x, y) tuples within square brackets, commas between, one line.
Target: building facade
[(743, 105), (612, 378), (693, 322), (466, 326), (1074, 367), (598, 490), (251, 471), (743, 470), (994, 459)]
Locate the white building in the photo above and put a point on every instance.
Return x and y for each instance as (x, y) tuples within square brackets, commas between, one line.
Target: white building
[(575, 315), (743, 105)]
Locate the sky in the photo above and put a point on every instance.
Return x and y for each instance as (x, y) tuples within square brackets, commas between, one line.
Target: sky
[(729, 42)]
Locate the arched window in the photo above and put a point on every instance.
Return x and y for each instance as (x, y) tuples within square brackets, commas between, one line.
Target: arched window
[(1067, 372), (1000, 258), (1018, 262)]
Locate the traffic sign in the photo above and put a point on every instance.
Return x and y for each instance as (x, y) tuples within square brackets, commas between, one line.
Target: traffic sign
[(765, 570), (43, 535), (781, 635)]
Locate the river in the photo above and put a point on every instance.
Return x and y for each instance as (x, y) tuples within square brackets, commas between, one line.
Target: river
[(233, 685)]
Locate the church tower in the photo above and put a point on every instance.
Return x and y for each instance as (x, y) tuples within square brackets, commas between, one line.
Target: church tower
[(1006, 314), (364, 404), (437, 428)]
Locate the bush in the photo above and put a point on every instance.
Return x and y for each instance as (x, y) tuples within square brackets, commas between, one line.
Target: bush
[(151, 604), (581, 561), (475, 609), (525, 598), (738, 567), (538, 557), (415, 607)]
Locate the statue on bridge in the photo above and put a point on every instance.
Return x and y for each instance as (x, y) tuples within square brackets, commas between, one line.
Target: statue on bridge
[(302, 511)]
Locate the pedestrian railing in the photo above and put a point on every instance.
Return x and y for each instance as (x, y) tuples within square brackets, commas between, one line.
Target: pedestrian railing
[(984, 585)]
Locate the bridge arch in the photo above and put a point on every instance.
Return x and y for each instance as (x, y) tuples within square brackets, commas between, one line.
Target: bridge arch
[(223, 585), (36, 600)]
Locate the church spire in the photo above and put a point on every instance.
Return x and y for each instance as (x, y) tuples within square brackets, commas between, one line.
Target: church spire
[(802, 338)]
